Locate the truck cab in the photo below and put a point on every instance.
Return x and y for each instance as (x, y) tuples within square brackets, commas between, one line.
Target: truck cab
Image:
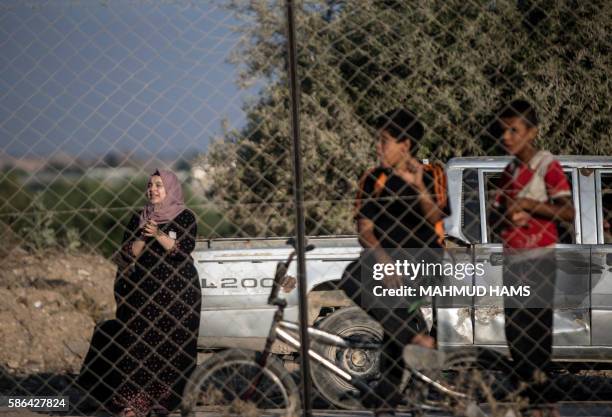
[(582, 327)]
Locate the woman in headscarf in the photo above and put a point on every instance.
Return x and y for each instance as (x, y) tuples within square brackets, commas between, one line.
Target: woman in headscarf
[(158, 303)]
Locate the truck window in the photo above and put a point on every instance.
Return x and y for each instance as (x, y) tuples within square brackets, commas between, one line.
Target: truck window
[(470, 215), (491, 185), (606, 206)]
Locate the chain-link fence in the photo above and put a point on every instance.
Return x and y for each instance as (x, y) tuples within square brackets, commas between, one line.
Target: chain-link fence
[(437, 218)]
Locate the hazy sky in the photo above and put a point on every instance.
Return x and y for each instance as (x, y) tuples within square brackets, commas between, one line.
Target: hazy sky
[(84, 77)]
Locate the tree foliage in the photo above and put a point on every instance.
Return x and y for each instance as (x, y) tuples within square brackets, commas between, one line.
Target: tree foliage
[(453, 62)]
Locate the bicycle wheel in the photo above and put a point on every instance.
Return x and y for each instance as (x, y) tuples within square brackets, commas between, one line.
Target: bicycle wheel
[(361, 363), (231, 382)]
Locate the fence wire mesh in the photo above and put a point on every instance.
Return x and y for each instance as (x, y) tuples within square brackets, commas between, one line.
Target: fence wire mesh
[(410, 125)]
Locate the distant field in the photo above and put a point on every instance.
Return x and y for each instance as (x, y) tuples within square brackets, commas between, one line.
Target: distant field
[(84, 210)]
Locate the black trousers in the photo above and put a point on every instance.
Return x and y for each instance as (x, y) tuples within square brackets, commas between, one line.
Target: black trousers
[(399, 326), (529, 324), (529, 336)]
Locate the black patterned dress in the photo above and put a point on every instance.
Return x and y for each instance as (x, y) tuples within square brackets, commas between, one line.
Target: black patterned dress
[(158, 308)]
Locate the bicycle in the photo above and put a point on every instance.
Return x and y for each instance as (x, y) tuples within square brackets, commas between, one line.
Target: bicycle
[(240, 379)]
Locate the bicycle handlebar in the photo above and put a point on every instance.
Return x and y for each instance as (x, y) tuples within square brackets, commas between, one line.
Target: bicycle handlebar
[(281, 272)]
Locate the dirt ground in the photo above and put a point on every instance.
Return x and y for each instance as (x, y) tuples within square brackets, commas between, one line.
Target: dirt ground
[(48, 306), (50, 302)]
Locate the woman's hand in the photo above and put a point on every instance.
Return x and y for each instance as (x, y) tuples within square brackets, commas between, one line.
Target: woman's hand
[(151, 229)]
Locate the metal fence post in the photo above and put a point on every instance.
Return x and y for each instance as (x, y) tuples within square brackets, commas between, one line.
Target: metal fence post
[(299, 209)]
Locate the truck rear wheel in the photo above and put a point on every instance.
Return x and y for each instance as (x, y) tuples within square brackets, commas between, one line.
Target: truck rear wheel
[(364, 363)]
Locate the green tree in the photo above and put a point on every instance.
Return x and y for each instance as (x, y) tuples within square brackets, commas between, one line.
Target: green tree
[(452, 62)]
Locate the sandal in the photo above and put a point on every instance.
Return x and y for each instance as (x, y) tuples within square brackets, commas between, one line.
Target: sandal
[(127, 412)]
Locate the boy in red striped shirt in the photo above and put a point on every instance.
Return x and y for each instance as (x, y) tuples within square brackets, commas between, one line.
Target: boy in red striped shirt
[(533, 196)]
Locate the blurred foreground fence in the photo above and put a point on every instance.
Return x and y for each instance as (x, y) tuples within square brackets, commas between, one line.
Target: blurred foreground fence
[(97, 95)]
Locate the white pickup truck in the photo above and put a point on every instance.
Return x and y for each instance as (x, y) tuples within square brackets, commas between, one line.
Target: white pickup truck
[(236, 276)]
